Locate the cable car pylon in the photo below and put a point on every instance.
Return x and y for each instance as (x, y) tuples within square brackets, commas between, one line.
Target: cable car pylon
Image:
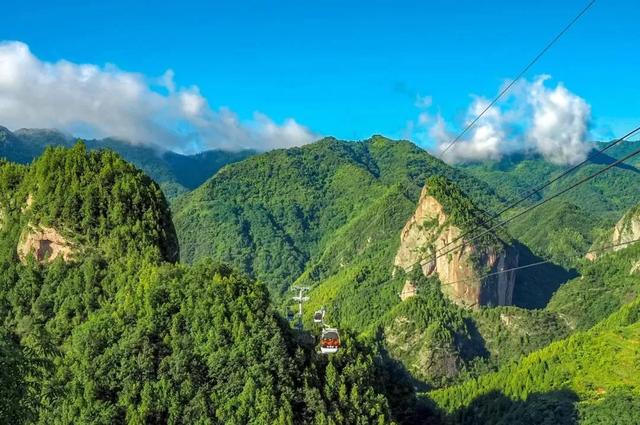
[(330, 337), (300, 298)]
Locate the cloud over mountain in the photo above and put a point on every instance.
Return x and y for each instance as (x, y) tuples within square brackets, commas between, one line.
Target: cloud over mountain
[(560, 123), (96, 101), (551, 121)]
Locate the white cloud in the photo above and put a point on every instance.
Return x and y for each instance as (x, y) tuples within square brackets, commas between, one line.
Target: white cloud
[(424, 118), (551, 121), (560, 123), (487, 138), (107, 101)]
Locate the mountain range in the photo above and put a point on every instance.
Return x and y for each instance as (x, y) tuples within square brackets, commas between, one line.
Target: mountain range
[(176, 173), (147, 287)]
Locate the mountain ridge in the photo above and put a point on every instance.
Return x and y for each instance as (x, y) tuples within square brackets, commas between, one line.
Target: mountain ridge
[(322, 186), (176, 173), (328, 215)]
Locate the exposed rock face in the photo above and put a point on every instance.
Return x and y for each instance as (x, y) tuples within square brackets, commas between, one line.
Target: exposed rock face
[(408, 291), (625, 230), (45, 243), (429, 232)]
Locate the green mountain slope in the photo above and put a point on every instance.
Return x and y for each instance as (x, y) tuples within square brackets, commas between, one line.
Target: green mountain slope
[(100, 325), (277, 213), (175, 173), (441, 344), (329, 216), (517, 174), (590, 377), (584, 378), (117, 333), (603, 287)]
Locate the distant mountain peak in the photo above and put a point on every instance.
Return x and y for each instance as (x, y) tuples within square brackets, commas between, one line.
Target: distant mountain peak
[(176, 173), (41, 131)]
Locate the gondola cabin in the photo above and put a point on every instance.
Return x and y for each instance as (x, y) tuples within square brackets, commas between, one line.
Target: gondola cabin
[(329, 341), (318, 316), (290, 315)]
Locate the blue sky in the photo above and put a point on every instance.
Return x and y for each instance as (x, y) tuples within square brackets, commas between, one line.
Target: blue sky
[(347, 68)]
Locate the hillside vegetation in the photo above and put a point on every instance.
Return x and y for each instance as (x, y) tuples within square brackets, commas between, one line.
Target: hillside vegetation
[(603, 287), (100, 324), (276, 214), (121, 334), (587, 377), (329, 216), (576, 218)]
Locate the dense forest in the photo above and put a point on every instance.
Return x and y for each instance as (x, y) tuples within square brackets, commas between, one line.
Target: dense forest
[(123, 334), (111, 313), (576, 219)]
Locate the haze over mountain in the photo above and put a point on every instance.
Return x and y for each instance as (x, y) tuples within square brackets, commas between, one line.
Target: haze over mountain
[(176, 173)]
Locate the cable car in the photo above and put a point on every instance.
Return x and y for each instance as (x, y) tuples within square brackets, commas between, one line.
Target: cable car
[(329, 341), (290, 315), (318, 316)]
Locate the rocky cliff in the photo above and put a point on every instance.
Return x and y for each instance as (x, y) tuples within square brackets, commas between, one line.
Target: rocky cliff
[(626, 230), (442, 216), (45, 243)]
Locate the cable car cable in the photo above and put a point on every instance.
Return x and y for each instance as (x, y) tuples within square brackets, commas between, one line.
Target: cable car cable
[(570, 170), (526, 266), (504, 222), (562, 192), (543, 186)]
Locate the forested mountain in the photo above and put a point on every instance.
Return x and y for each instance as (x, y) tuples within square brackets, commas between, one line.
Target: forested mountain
[(516, 174), (607, 280), (329, 216), (115, 332), (270, 216), (176, 173), (591, 377), (276, 214), (99, 323)]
